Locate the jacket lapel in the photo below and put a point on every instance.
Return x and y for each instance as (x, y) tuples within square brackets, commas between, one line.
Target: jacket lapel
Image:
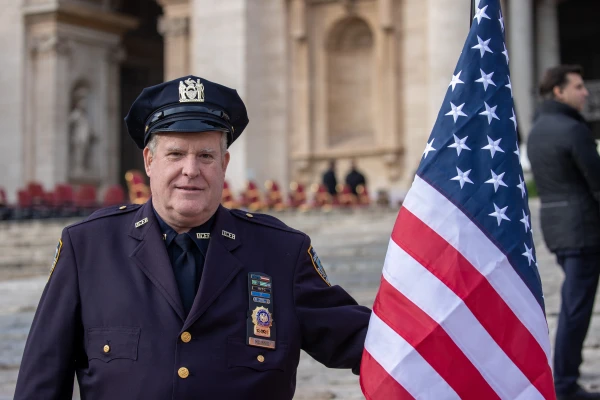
[(151, 256), (220, 266)]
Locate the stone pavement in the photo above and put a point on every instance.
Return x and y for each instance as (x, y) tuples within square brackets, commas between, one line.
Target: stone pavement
[(352, 247)]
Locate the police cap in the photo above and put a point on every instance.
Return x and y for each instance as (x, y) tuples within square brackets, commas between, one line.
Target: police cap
[(187, 104)]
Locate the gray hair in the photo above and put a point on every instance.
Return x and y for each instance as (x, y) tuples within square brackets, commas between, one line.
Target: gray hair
[(154, 141)]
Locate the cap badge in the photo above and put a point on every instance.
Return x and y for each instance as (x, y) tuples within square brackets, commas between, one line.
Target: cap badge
[(191, 91)]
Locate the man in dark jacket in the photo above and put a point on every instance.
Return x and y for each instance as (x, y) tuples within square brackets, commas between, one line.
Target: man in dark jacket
[(355, 178), (566, 169), (329, 179)]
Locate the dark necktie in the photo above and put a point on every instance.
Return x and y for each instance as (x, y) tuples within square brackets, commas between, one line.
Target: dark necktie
[(185, 271)]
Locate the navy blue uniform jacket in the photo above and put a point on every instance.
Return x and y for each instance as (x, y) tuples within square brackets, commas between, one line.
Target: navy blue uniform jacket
[(113, 285)]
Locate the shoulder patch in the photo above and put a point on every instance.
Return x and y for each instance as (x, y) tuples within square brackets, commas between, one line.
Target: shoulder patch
[(56, 255), (317, 264), (263, 219)]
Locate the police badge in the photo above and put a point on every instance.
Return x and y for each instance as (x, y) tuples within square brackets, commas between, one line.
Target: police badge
[(191, 91), (260, 329), (262, 320)]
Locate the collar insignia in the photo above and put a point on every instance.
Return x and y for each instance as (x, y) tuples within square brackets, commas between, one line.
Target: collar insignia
[(229, 235), (140, 223)]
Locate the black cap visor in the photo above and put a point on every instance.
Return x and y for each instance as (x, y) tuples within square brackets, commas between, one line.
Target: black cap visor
[(188, 124)]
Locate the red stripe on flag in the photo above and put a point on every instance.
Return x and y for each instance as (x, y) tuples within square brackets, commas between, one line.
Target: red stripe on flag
[(455, 271), (432, 342), (377, 384)]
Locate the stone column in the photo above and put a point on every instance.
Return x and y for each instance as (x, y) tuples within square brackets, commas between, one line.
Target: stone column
[(175, 27), (387, 63), (300, 90), (521, 53), (548, 51)]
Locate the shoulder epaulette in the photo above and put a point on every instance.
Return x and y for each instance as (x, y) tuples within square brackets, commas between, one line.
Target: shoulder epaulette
[(108, 211), (264, 219)]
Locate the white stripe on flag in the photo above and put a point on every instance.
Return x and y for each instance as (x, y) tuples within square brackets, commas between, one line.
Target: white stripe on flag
[(404, 363), (437, 212), (433, 297)]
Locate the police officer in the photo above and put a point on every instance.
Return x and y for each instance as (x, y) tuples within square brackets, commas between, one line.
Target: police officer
[(181, 298)]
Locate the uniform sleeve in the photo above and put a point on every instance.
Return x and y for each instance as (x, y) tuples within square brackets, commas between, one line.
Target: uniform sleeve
[(585, 155), (48, 365), (333, 325)]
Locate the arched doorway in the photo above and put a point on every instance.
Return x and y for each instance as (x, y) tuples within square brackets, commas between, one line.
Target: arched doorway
[(142, 67), (350, 83)]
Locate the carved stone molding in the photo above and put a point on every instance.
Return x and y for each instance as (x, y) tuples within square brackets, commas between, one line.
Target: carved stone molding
[(51, 43), (174, 26)]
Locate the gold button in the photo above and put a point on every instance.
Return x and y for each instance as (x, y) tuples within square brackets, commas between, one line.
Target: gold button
[(183, 372), (249, 215), (260, 358), (106, 348), (122, 207), (186, 337)]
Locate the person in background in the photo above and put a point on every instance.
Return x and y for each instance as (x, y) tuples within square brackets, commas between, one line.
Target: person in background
[(566, 169), (329, 179), (355, 178)]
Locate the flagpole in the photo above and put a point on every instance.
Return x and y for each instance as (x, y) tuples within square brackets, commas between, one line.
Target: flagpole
[(472, 13)]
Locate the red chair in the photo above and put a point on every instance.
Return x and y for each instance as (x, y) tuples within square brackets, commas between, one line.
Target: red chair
[(227, 199), (321, 197), (363, 195), (274, 197), (114, 196), (251, 197), (85, 199), (297, 195), (139, 192), (24, 205), (346, 198), (36, 191), (65, 200)]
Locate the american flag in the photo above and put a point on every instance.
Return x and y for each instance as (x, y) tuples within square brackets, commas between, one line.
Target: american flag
[(460, 310)]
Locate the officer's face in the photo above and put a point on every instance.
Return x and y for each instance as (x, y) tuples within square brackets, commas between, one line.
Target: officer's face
[(186, 171)]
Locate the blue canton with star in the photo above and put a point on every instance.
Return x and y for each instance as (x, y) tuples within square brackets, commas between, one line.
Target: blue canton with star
[(472, 156)]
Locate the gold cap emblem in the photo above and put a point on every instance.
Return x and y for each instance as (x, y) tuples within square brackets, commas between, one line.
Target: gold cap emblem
[(191, 91)]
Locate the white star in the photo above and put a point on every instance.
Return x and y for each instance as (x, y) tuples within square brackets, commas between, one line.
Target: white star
[(481, 14), (428, 148), (459, 144), (497, 181), (490, 113), (505, 52), (514, 119), (529, 254), (486, 79), (455, 80), (456, 111), (521, 186), (509, 86), (462, 177), (493, 146), (525, 221), (499, 214), (517, 152), (482, 46), (501, 19)]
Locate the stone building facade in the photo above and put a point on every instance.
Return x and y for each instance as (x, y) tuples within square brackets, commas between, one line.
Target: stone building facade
[(322, 79)]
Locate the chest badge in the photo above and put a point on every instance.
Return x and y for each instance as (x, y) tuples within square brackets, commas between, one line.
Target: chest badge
[(260, 327)]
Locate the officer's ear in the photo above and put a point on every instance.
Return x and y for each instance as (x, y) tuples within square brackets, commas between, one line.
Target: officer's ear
[(148, 157), (226, 158)]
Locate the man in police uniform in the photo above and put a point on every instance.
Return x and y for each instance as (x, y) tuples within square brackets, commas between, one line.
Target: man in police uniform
[(181, 298)]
